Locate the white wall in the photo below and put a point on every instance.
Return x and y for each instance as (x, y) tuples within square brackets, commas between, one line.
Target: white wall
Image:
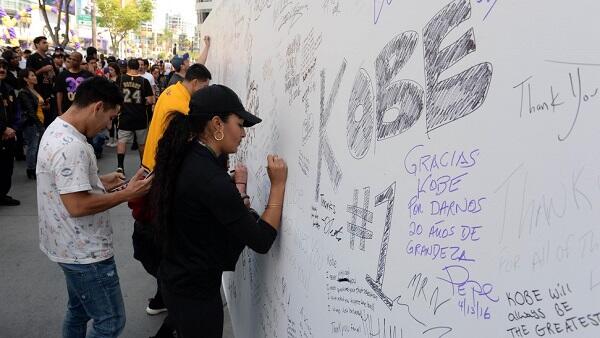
[(444, 175)]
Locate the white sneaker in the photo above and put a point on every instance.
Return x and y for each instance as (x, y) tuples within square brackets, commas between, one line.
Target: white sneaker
[(155, 306)]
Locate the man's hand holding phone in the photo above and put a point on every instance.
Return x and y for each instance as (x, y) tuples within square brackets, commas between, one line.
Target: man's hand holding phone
[(112, 180), (137, 186), (140, 184)]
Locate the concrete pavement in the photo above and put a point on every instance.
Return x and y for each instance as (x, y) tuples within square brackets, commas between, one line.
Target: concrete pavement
[(32, 288)]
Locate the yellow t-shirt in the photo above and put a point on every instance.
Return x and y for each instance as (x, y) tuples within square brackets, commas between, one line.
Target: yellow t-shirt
[(175, 98), (40, 111)]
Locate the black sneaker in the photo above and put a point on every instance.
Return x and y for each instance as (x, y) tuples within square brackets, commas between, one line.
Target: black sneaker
[(155, 306), (9, 201)]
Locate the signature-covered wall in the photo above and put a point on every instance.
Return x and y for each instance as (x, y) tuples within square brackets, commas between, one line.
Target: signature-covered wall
[(444, 167)]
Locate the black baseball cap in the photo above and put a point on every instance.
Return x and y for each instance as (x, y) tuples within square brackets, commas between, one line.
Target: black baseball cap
[(218, 99)]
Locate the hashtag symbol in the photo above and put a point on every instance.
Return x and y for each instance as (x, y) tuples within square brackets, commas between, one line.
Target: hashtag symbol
[(364, 215)]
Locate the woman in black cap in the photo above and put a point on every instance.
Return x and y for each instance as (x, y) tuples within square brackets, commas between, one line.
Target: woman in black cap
[(201, 218)]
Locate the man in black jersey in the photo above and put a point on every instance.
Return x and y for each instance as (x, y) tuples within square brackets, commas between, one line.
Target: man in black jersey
[(133, 119), (68, 81)]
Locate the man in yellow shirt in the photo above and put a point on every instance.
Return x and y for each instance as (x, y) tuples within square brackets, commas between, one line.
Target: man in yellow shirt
[(174, 98)]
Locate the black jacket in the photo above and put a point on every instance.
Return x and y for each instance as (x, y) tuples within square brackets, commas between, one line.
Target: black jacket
[(8, 116), (28, 102), (208, 233), (11, 79)]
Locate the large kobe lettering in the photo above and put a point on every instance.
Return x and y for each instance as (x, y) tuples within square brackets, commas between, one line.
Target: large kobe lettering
[(446, 100)]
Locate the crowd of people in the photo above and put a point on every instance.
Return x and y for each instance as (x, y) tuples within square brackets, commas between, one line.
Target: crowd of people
[(34, 101), (192, 215)]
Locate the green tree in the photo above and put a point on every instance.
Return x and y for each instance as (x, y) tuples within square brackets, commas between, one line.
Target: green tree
[(121, 20), (166, 40), (62, 7)]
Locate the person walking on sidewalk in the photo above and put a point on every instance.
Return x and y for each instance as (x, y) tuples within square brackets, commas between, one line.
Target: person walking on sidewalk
[(73, 204), (134, 119), (32, 110)]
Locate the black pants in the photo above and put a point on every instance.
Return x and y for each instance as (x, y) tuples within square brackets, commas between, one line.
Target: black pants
[(51, 113), (19, 146), (195, 318), (149, 254), (7, 162)]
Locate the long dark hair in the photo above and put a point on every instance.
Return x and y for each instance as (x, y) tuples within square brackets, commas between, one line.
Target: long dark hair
[(115, 66), (177, 140), (23, 74)]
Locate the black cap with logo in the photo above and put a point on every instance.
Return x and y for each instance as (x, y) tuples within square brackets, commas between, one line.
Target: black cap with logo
[(218, 99)]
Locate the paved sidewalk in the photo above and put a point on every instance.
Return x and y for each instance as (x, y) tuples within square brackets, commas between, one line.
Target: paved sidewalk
[(32, 288)]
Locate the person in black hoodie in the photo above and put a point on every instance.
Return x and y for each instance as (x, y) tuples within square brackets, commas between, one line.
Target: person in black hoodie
[(8, 136), (32, 113)]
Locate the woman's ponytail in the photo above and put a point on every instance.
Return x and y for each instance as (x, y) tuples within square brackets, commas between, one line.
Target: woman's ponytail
[(172, 148)]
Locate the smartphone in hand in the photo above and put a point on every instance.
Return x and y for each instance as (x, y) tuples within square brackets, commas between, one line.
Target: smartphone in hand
[(123, 185)]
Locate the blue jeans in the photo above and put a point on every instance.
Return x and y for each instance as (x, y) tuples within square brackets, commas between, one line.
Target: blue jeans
[(98, 141), (32, 135), (94, 293)]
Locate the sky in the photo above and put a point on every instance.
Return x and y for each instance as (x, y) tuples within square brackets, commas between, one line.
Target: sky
[(187, 8)]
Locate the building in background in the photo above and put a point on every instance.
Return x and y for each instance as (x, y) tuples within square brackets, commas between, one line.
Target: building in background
[(203, 9), (174, 23)]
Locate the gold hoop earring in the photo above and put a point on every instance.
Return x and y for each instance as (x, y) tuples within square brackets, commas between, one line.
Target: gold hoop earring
[(222, 135)]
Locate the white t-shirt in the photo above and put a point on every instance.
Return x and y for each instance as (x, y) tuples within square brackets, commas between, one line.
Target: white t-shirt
[(150, 79), (66, 164)]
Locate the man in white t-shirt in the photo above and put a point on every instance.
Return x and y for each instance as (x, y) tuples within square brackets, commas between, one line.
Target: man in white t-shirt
[(144, 66), (73, 203), (168, 67)]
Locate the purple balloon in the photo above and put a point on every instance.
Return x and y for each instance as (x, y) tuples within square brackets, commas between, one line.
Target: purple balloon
[(17, 16), (28, 9), (12, 32), (77, 45), (2, 13), (54, 10)]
